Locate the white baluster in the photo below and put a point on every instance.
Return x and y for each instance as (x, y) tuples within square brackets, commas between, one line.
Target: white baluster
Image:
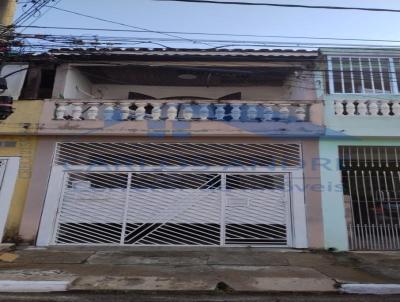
[(268, 113), (236, 112), (156, 111), (373, 108), (108, 112), (76, 111), (283, 111), (187, 112), (220, 111), (300, 113), (396, 108), (350, 108), (93, 111), (204, 112), (339, 108), (362, 108), (251, 111), (385, 108), (60, 111), (124, 110), (140, 111), (172, 111)]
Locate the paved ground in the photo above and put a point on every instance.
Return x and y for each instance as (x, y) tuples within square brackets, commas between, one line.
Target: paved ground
[(197, 297), (222, 270)]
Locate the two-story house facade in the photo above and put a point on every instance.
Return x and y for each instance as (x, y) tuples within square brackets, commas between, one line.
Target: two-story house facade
[(177, 147), (207, 147), (360, 151)]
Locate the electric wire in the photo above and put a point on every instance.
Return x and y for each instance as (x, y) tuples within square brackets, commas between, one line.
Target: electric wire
[(211, 34), (369, 9), (120, 23)]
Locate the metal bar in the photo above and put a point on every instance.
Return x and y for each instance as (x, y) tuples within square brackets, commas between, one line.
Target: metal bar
[(374, 205), (351, 198), (393, 77), (223, 210), (351, 75), (128, 186), (361, 76), (342, 74), (365, 157), (384, 235), (381, 75), (366, 205), (372, 75)]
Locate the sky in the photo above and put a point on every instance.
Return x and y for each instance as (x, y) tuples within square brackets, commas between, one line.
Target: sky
[(233, 19)]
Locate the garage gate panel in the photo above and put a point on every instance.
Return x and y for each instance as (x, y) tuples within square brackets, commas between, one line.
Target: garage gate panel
[(165, 208)]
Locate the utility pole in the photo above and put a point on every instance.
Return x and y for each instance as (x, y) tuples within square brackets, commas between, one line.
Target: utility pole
[(7, 11)]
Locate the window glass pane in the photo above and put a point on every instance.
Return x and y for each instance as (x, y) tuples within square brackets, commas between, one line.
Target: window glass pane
[(376, 75), (367, 75), (355, 63), (386, 74), (347, 75), (337, 78), (397, 68)]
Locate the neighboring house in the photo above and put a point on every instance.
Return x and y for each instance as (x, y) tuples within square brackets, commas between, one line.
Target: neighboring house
[(361, 149), (17, 150), (177, 147)]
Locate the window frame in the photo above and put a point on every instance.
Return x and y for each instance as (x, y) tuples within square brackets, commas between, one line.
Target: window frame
[(393, 81)]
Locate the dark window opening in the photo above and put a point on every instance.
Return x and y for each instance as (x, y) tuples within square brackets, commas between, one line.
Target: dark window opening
[(46, 83)]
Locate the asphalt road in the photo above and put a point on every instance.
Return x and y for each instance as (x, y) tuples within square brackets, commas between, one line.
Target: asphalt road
[(179, 297)]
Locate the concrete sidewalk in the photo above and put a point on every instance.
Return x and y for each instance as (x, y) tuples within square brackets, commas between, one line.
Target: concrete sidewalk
[(197, 269)]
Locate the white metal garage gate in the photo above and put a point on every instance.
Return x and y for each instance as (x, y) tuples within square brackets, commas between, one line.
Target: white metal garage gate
[(180, 194)]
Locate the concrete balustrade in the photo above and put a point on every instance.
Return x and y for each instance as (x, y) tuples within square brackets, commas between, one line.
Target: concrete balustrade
[(382, 108), (129, 110)]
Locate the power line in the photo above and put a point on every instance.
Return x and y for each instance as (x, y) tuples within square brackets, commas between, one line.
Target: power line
[(290, 5), (119, 23), (215, 43), (34, 9), (40, 16), (197, 41), (212, 34)]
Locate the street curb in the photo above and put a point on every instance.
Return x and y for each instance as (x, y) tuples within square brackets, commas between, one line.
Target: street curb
[(370, 289), (23, 286)]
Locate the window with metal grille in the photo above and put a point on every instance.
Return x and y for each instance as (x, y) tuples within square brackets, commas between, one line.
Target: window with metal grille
[(363, 75)]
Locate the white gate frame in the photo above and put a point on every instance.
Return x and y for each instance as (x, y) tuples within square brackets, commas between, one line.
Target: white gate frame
[(297, 236), (8, 178)]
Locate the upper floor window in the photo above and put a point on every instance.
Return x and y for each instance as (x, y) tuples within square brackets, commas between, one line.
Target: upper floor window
[(363, 75)]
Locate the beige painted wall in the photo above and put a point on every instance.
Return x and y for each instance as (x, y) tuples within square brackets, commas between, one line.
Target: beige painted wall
[(23, 147), (18, 138), (44, 155)]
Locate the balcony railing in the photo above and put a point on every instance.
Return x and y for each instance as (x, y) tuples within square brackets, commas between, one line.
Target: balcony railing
[(126, 110), (382, 108)]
